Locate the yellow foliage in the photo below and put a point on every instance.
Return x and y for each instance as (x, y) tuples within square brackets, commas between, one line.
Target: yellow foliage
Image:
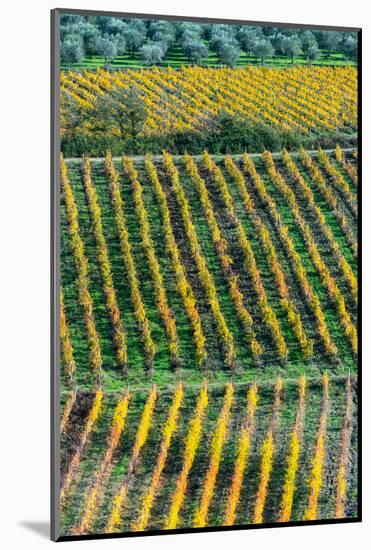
[(273, 261), (67, 409), (127, 256), (287, 242), (225, 260), (170, 426), (292, 461), (205, 277), (316, 481), (266, 457), (66, 345), (328, 281), (338, 179), (119, 336), (93, 416), (331, 200), (183, 286), (160, 292), (81, 263), (242, 457), (341, 478), (266, 464), (191, 446), (114, 522), (218, 439), (91, 501), (250, 263), (298, 98)]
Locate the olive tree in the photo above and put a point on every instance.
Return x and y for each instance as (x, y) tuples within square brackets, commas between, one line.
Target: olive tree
[(350, 47), (152, 53), (196, 51), (107, 48), (329, 41), (292, 47), (313, 53), (308, 40), (229, 53), (263, 49), (134, 38), (247, 39), (72, 50)]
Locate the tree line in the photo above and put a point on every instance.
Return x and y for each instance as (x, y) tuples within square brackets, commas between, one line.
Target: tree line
[(116, 123), (109, 37)]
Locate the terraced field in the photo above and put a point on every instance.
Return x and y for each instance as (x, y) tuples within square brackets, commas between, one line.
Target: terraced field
[(253, 282), (191, 285), (310, 100), (188, 458)]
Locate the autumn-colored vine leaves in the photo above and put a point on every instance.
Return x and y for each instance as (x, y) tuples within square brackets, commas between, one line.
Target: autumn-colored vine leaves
[(290, 182), (81, 262), (199, 434), (181, 190), (300, 98)]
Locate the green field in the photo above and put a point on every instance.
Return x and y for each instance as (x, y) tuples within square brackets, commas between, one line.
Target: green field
[(104, 465), (246, 370), (175, 58), (75, 504)]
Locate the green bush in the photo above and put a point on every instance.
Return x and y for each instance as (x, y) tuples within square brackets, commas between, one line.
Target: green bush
[(225, 134)]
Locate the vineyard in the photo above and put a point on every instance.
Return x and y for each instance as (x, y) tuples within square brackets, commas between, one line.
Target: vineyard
[(208, 275), (217, 455), (311, 100), (189, 285), (176, 268)]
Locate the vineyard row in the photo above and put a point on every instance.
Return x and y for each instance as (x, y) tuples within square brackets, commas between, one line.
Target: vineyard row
[(239, 205), (203, 456), (305, 99)]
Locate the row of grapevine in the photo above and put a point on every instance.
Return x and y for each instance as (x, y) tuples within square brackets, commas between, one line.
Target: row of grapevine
[(267, 312), (220, 438), (316, 479), (217, 444), (342, 474), (128, 259), (225, 260), (331, 200), (349, 168), (204, 274), (157, 280), (339, 181), (267, 456), (299, 270), (93, 416), (191, 445), (119, 336), (244, 448), (286, 301), (81, 262), (68, 406), (114, 521), (293, 455), (307, 193), (252, 194), (66, 345), (183, 286), (328, 281), (170, 426), (91, 501), (294, 98)]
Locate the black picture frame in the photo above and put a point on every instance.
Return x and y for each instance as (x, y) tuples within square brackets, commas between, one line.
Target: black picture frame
[(55, 275)]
